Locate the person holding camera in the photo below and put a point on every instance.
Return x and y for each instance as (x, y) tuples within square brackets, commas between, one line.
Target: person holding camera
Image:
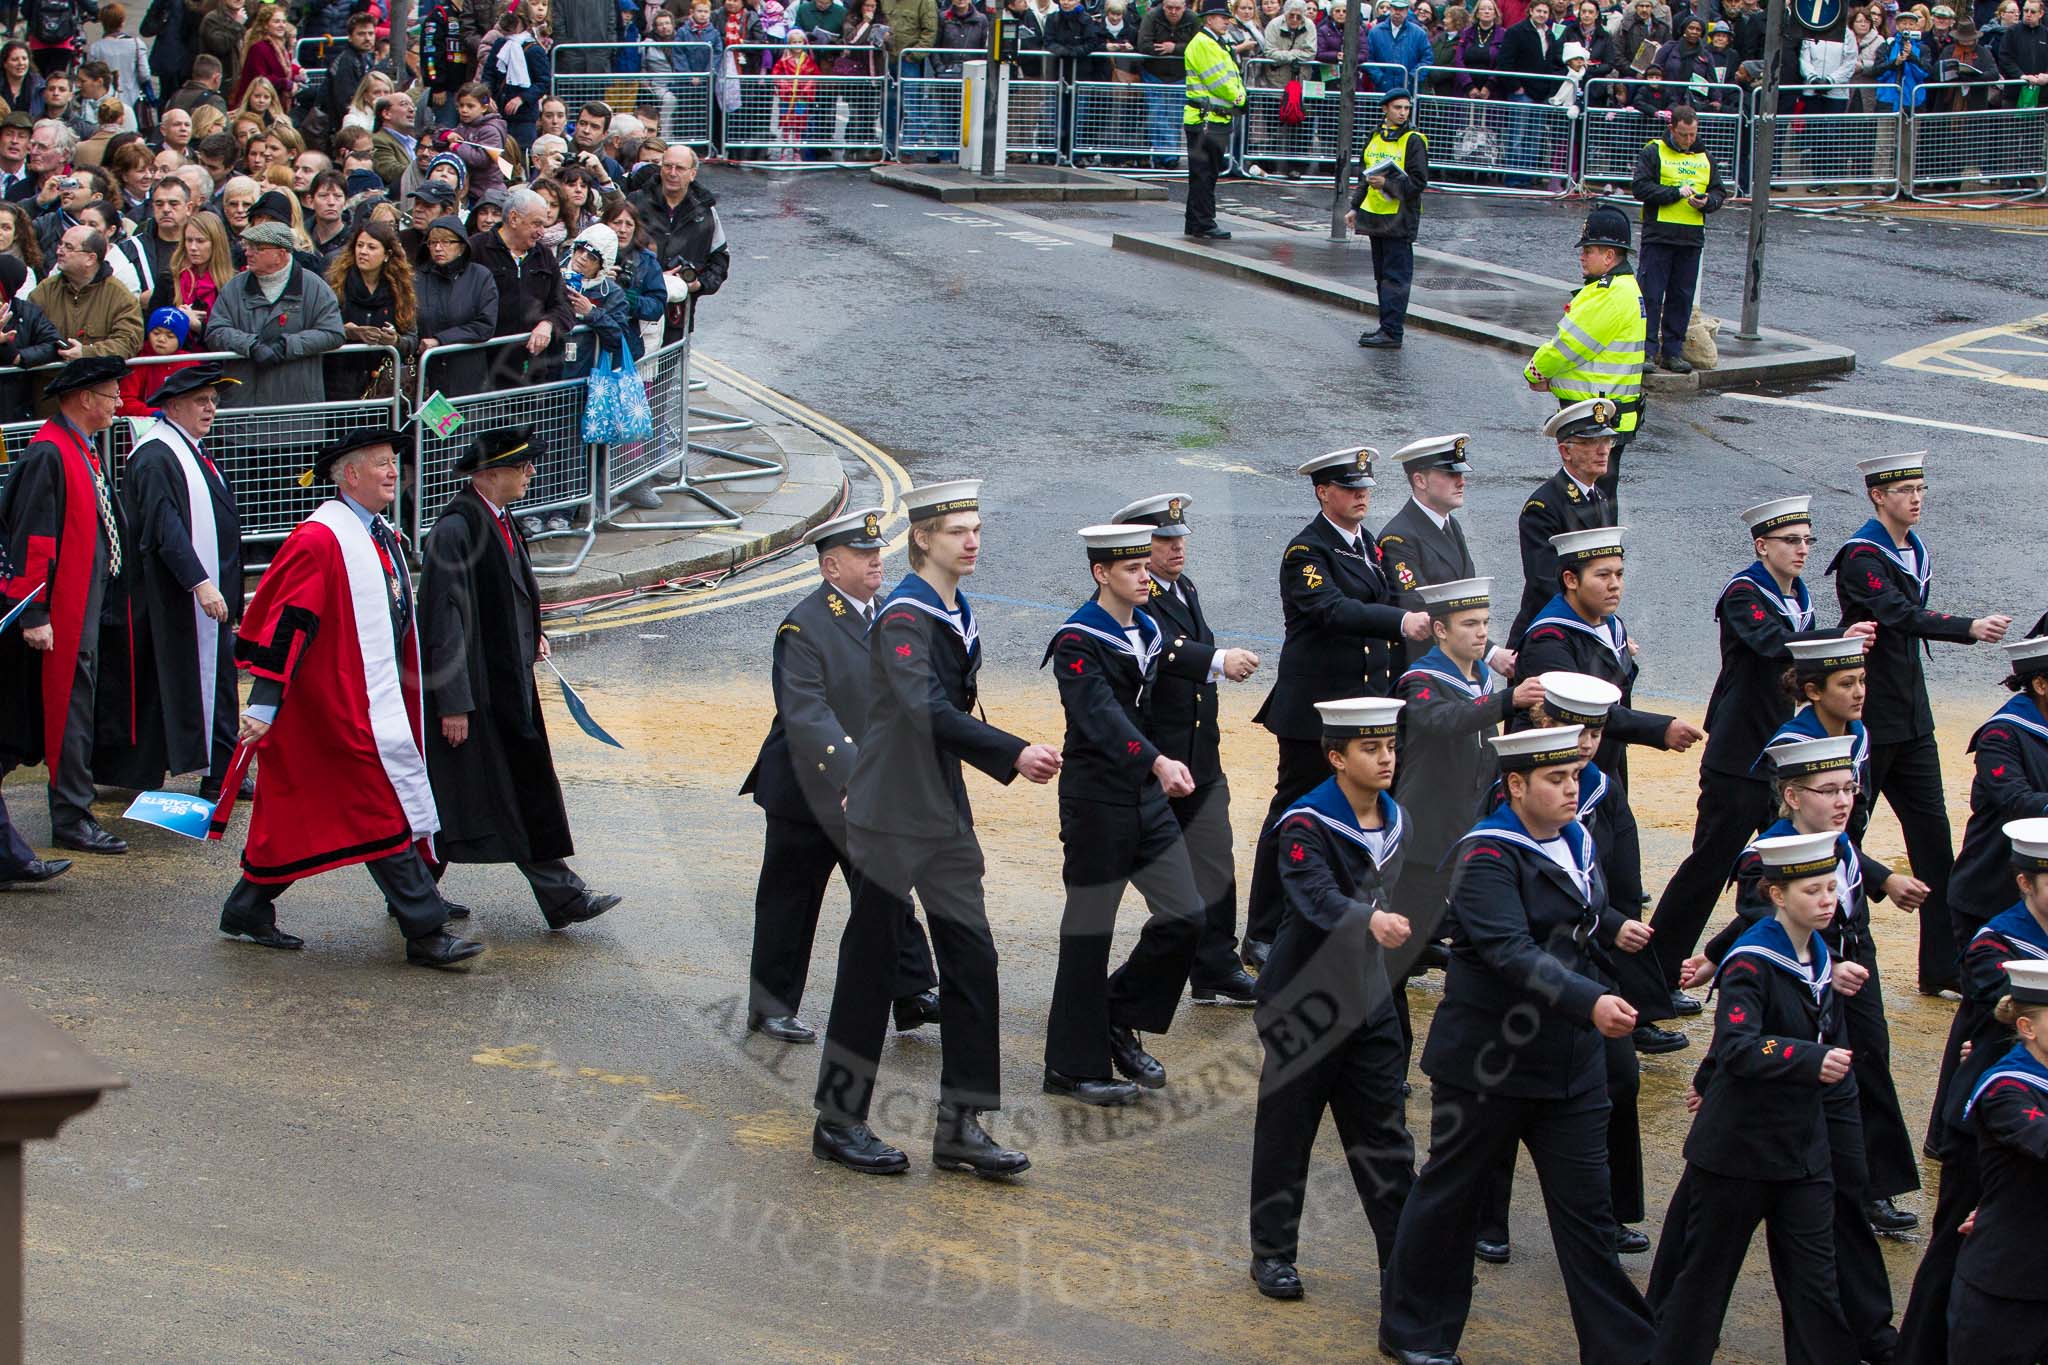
[(1679, 185)]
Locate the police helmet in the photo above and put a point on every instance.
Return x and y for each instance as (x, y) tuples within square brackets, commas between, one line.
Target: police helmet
[(1606, 225)]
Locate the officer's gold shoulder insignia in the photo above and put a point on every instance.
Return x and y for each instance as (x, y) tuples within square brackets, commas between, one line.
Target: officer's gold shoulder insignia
[(1536, 503), (832, 601), (1572, 491), (1157, 588), (1390, 540), (789, 626), (1311, 575)]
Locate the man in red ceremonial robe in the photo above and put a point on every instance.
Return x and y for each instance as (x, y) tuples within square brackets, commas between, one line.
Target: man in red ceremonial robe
[(64, 530), (334, 715)]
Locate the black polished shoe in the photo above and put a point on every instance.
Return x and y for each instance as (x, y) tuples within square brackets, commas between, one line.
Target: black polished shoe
[(960, 1143), (589, 907), (915, 1011), (1888, 1218), (855, 1146), (1253, 954), (1630, 1241), (262, 935), (88, 837), (1106, 1091), (1379, 341), (785, 1028), (440, 949), (1276, 1279), (1683, 1005), (1395, 1353), (36, 870), (1240, 989), (1129, 1056), (1650, 1039), (1493, 1253)]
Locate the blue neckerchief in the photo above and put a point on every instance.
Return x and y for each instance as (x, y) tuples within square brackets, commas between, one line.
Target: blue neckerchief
[(1093, 618), (1328, 804), (1610, 632), (2020, 711), (1805, 724), (1767, 941), (1921, 570), (2016, 1065), (913, 591), (1440, 666), (2017, 926), (1798, 612), (1593, 788), (1503, 823), (1850, 893)]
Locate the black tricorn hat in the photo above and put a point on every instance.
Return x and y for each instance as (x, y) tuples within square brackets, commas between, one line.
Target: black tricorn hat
[(324, 462), (192, 378), (83, 374), (498, 449)]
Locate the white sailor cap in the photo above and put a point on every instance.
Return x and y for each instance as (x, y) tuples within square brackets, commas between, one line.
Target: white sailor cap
[(1165, 513), (1361, 717), (1767, 517), (1885, 469), (2029, 843), (2027, 982), (1789, 857), (1578, 698), (860, 530), (1805, 757), (1528, 749), (2027, 657), (1584, 420), (1460, 594), (1346, 468), (937, 499), (1435, 452), (1818, 658), (1107, 544), (1580, 547)]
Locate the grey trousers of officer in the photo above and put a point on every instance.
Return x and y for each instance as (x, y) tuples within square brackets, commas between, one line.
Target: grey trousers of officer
[(407, 885)]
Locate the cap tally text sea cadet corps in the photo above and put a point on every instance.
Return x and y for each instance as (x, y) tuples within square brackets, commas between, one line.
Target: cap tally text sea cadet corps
[(1578, 698), (1886, 469), (937, 499), (1435, 452), (1526, 750), (1767, 517), (1806, 757), (1166, 514), (1108, 544), (1583, 421), (2029, 843), (1460, 594), (1818, 658), (1575, 548), (1361, 717), (2027, 657), (1346, 468), (1788, 857), (860, 530)]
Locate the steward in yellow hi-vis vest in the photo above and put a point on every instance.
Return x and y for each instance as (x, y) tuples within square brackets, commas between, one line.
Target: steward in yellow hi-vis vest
[(1679, 185), (1215, 94), (1598, 349), (1393, 171)]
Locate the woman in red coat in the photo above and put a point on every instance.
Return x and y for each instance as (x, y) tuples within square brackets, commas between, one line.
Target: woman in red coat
[(267, 52)]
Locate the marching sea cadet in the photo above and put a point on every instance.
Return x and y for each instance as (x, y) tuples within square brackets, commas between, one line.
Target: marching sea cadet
[(1342, 621), (1424, 543), (1325, 1016), (1828, 688), (1118, 831), (1598, 348), (909, 826), (822, 683), (488, 755), (1214, 96), (1393, 171), (1516, 1055), (1572, 499), (1884, 573), (335, 717), (1180, 717)]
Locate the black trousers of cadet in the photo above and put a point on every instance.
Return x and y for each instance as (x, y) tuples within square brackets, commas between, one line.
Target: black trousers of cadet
[(1303, 766), (946, 874), (796, 867), (1621, 852), (1393, 270), (1732, 811), (1985, 1329), (1206, 145), (1429, 1292), (1923, 1332), (1908, 775), (1109, 847), (1719, 1215), (1422, 895), (1893, 1168), (1624, 1151), (1204, 820), (1358, 1079), (408, 888), (1668, 273)]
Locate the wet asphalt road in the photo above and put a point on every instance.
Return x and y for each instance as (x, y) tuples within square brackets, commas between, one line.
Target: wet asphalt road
[(570, 1153)]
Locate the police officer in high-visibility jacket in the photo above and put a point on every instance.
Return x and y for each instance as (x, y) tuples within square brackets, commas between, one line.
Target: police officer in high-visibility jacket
[(1215, 94), (1679, 186), (1393, 172), (1598, 349)]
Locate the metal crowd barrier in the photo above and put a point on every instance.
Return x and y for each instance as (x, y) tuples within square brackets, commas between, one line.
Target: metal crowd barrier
[(1613, 132), (1119, 120), (1828, 144), (2001, 145), (666, 373), (842, 114), (929, 105), (1264, 139), (312, 55), (1497, 146), (675, 103)]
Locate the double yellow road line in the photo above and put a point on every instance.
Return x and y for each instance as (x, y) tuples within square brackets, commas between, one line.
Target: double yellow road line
[(782, 579)]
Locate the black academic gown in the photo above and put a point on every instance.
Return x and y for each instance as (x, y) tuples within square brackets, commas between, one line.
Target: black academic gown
[(1556, 506), (479, 617)]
